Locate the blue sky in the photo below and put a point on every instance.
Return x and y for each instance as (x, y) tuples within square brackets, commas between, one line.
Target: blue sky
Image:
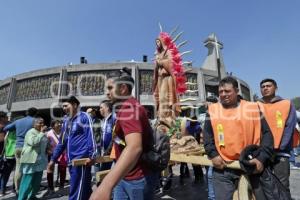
[(261, 38)]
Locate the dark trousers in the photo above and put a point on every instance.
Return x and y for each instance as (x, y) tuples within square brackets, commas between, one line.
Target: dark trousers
[(281, 168), (61, 175), (102, 166), (225, 182), (9, 165), (198, 173), (184, 171), (80, 182)]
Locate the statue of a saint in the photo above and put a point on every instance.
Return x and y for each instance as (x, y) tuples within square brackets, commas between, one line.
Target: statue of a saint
[(169, 79)]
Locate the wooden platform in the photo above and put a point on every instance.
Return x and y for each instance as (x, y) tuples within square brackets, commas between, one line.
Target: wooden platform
[(100, 175)]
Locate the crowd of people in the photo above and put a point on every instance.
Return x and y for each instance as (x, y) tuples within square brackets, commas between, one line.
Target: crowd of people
[(231, 126)]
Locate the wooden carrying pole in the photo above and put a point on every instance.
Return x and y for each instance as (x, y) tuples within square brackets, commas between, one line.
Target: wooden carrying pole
[(200, 160), (101, 159), (193, 159)]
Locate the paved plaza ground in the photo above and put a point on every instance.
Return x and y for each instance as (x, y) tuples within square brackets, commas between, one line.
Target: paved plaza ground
[(186, 191)]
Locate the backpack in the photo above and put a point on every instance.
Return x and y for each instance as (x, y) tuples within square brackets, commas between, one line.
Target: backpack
[(158, 155), (272, 186)]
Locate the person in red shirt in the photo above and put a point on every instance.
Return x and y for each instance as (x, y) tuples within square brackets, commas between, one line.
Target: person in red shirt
[(128, 178)]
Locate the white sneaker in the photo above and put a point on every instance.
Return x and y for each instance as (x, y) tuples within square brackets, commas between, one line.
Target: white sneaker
[(293, 167)]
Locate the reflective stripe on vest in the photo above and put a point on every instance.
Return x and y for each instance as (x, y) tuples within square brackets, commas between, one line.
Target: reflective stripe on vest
[(276, 115), (235, 128)]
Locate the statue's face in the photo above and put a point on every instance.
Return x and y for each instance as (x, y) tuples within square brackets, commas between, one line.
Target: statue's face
[(158, 43), (163, 129)]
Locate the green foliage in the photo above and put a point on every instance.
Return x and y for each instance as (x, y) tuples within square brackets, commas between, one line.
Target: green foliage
[(255, 97), (175, 129), (296, 102)]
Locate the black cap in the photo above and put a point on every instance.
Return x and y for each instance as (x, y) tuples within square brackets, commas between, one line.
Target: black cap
[(125, 72), (125, 76)]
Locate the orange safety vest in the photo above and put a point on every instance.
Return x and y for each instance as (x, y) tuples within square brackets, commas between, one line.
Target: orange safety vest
[(235, 128), (276, 115), (113, 152)]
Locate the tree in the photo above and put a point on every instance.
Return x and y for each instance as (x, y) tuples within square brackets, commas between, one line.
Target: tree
[(296, 102), (255, 97)]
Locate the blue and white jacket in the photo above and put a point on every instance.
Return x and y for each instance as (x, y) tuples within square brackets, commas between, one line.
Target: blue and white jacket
[(77, 138), (107, 130)]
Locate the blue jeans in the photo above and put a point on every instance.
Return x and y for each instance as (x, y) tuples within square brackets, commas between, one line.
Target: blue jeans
[(133, 190), (141, 189), (210, 186), (152, 182), (225, 182)]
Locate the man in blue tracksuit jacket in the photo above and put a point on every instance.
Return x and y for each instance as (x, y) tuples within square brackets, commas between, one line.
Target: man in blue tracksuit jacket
[(78, 139), (109, 119)]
